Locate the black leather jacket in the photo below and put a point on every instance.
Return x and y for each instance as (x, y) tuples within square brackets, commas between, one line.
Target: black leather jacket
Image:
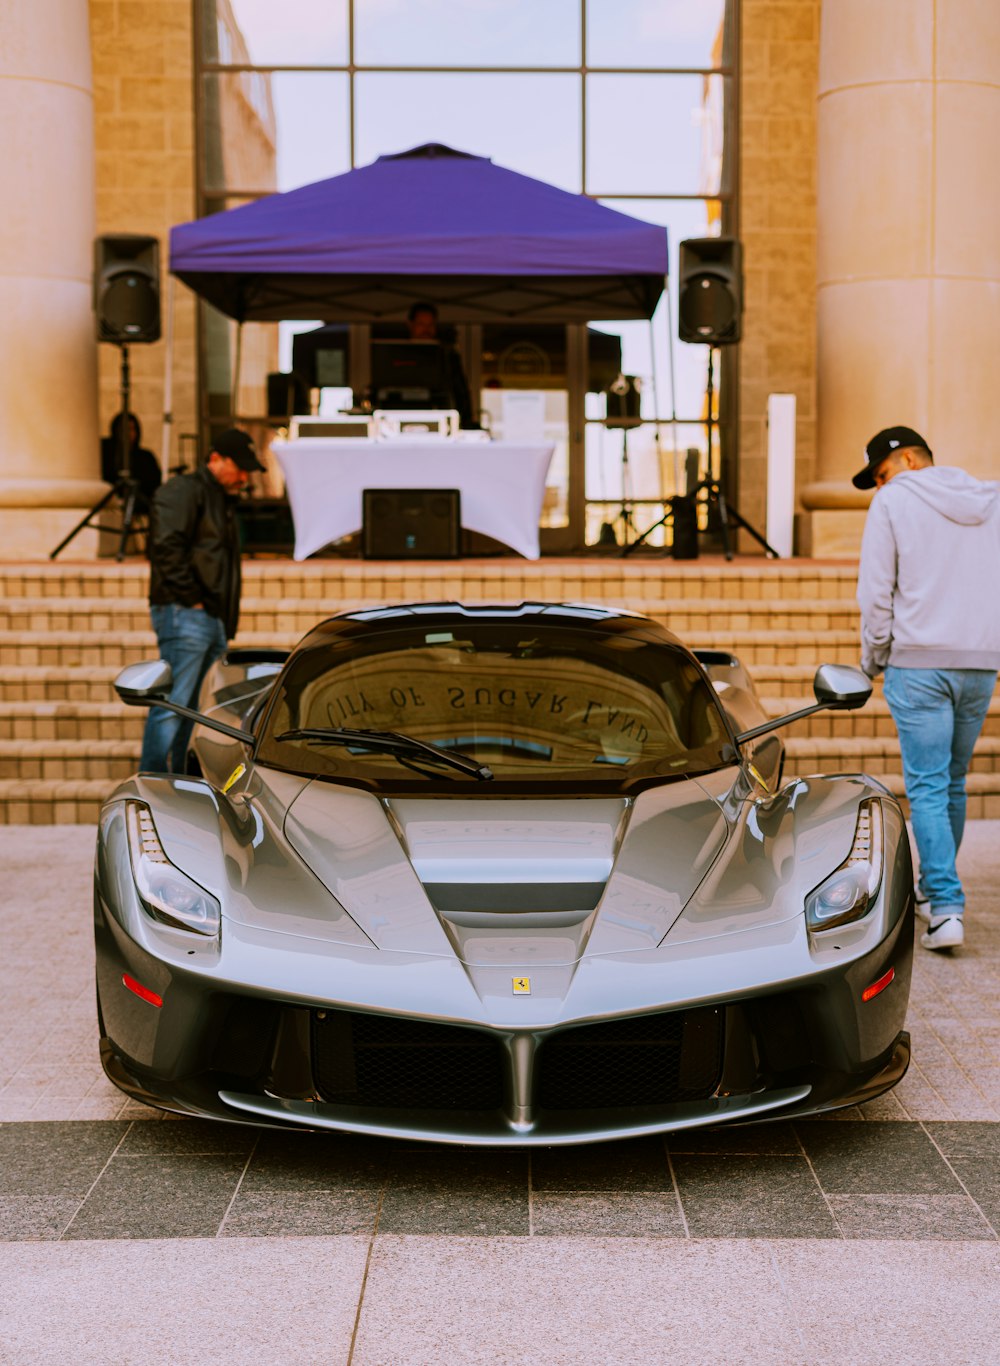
[(194, 547)]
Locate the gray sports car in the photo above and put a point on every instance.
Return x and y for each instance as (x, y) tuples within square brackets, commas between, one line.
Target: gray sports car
[(501, 875)]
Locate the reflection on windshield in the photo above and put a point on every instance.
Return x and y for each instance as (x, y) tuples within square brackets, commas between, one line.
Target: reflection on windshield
[(533, 702)]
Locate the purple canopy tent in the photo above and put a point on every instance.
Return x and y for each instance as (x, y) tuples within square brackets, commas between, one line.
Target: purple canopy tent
[(485, 243)]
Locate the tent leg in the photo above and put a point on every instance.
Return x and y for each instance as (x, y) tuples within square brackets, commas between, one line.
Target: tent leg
[(168, 382), (673, 387), (234, 399)]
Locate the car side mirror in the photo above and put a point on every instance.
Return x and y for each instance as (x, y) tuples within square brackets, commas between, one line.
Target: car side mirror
[(139, 685), (841, 686), (149, 684)]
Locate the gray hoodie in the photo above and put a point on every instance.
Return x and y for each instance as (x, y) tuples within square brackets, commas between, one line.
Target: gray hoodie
[(929, 580)]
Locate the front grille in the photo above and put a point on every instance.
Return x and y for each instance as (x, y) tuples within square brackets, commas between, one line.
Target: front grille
[(647, 1060), (392, 1063)]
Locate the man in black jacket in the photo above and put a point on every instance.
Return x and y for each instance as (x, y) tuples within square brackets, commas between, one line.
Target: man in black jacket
[(194, 585)]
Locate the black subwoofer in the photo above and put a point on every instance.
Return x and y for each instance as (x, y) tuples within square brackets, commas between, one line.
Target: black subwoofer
[(411, 524)]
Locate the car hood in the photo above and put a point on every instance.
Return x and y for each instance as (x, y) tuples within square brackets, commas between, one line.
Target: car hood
[(510, 883)]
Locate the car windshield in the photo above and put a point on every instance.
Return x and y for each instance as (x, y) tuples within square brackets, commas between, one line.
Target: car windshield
[(539, 704)]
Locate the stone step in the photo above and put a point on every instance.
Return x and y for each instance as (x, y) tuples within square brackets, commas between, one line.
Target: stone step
[(96, 757), (103, 717), (286, 614), (72, 648), (564, 578), (71, 720), (66, 802), (58, 760), (871, 754), (78, 801)]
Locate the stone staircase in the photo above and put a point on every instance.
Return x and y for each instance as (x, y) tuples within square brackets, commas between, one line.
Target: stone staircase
[(66, 629)]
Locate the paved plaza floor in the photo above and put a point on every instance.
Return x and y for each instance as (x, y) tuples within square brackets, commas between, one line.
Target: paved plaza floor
[(127, 1236)]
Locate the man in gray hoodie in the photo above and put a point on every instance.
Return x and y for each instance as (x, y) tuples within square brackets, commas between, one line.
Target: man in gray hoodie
[(929, 592)]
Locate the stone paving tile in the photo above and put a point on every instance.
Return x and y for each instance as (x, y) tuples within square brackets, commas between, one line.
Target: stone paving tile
[(875, 1159), (920, 1217), (458, 1192), (159, 1197), (856, 1301), (62, 1159), (763, 1196), (599, 1215), (182, 1302), (35, 1217), (573, 1302), (776, 1137), (301, 1214), (637, 1165), (188, 1138), (290, 1162)]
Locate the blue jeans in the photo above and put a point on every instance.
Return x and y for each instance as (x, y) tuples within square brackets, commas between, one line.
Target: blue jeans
[(190, 641), (938, 714)]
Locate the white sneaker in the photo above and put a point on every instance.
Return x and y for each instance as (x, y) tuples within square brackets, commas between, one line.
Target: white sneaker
[(921, 905), (945, 932)]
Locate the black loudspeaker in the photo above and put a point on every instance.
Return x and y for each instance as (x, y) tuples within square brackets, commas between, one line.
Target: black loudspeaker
[(710, 290), (287, 396), (411, 524), (127, 288), (624, 400), (685, 521)]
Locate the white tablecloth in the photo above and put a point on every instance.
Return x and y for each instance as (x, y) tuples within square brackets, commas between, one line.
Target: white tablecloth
[(502, 484)]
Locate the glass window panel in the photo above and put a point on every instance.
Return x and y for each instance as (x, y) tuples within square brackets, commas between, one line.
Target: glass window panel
[(265, 33), (654, 134), (628, 494), (467, 32), (651, 353), (527, 123), (530, 415), (274, 130), (656, 33)]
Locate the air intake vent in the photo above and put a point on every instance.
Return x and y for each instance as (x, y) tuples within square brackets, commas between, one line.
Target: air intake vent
[(648, 1060), (390, 1063)]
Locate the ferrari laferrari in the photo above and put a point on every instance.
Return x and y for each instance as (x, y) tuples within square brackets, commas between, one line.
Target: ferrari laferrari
[(503, 875)]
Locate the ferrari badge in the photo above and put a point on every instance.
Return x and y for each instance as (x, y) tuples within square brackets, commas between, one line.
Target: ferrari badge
[(521, 985)]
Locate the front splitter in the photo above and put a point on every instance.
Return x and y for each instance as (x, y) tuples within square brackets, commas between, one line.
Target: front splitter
[(495, 1132)]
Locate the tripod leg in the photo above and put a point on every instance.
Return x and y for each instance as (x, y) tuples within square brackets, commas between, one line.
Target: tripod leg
[(629, 546), (84, 521), (720, 500), (752, 531), (128, 513)]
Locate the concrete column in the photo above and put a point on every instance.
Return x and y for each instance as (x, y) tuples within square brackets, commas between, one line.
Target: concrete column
[(908, 253), (49, 461)]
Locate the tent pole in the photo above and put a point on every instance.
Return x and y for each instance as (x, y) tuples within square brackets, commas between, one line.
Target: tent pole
[(168, 382), (673, 385), (656, 413), (235, 396)]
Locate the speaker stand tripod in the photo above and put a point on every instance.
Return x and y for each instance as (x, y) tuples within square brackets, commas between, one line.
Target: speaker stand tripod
[(125, 488), (625, 513), (717, 504)]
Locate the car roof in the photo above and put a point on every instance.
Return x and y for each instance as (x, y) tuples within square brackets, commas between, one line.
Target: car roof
[(580, 615)]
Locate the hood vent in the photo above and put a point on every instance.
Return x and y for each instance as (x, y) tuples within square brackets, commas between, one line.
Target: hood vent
[(514, 898)]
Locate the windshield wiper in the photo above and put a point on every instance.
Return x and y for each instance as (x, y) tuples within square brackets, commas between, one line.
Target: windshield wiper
[(390, 742)]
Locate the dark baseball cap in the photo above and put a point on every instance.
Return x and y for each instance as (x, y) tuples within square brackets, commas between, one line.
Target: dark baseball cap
[(239, 447), (881, 446)]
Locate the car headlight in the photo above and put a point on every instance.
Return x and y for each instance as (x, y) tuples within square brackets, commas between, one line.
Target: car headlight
[(167, 894), (850, 891)]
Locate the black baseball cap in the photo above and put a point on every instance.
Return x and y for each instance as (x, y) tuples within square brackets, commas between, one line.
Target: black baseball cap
[(881, 446), (239, 447)]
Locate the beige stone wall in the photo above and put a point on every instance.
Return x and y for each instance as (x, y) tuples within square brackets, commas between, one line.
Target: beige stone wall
[(48, 432), (144, 140), (779, 67), (909, 253)]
